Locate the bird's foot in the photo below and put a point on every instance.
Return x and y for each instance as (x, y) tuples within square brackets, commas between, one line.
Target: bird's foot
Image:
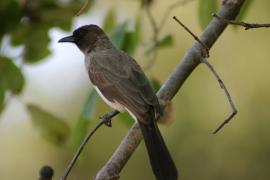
[(107, 118)]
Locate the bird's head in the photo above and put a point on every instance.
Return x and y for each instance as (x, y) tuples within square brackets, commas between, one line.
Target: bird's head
[(85, 37)]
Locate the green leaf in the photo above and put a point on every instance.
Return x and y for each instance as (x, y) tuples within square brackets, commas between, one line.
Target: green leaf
[(117, 36), (57, 17), (138, 28), (54, 129), (246, 6), (18, 36), (166, 41), (80, 131), (10, 15), (88, 113), (205, 10), (89, 108), (11, 77), (130, 43), (132, 39), (2, 98), (109, 21), (36, 44), (126, 119)]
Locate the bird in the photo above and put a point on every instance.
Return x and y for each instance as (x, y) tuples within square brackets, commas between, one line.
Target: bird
[(123, 85)]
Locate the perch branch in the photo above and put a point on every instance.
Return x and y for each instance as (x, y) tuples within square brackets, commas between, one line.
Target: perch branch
[(241, 23), (229, 10), (106, 119)]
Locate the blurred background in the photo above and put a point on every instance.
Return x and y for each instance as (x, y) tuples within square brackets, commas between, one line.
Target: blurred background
[(47, 104)]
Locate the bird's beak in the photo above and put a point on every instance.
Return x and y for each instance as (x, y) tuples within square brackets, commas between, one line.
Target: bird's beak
[(67, 39)]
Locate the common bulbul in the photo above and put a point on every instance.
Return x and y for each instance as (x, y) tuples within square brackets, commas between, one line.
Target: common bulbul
[(122, 84)]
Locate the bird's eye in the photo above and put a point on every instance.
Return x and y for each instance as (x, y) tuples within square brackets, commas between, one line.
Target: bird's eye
[(79, 34)]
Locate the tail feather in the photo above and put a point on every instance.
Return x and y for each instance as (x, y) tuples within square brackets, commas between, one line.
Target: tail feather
[(160, 158)]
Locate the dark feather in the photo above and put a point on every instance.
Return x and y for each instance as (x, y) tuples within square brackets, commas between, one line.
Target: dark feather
[(160, 158), (120, 78), (126, 84)]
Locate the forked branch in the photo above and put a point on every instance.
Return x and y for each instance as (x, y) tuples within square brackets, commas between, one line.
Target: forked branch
[(222, 85), (211, 68)]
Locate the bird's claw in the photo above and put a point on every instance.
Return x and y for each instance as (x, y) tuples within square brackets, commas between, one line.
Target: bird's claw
[(106, 119)]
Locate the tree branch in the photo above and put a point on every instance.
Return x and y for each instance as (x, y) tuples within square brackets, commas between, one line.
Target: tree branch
[(222, 85), (211, 68), (229, 10), (241, 23), (105, 119)]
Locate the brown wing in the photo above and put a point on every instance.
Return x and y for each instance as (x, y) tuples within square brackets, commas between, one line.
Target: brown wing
[(119, 78)]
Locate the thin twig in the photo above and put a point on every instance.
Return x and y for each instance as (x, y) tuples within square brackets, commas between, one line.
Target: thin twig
[(106, 119), (170, 9), (151, 19), (193, 35), (155, 37), (157, 28), (85, 4), (241, 23), (222, 85)]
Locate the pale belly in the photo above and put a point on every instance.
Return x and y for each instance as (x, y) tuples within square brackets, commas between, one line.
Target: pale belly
[(115, 105)]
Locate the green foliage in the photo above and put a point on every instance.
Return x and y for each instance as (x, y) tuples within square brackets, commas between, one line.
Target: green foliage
[(132, 38), (11, 77), (126, 119), (2, 98), (124, 39), (166, 41), (205, 10), (89, 107), (110, 21), (53, 129), (117, 36), (36, 45), (10, 15), (86, 116), (28, 24)]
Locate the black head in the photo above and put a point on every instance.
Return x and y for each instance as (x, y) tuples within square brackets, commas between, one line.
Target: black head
[(85, 36)]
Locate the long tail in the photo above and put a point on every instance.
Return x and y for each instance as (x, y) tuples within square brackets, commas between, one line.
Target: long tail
[(160, 158)]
